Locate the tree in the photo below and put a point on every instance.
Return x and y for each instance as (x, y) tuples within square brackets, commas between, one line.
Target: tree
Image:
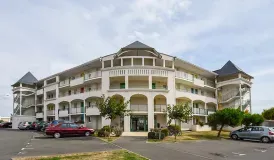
[(268, 113), (181, 112), (257, 119), (228, 116), (247, 119), (111, 107), (1, 121)]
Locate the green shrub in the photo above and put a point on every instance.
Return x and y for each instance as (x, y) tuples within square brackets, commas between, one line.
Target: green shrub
[(175, 130), (117, 131), (106, 128), (157, 136), (151, 135), (101, 133), (106, 133), (165, 131), (201, 124)]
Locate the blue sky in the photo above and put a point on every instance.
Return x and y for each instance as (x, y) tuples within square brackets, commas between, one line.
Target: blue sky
[(46, 37)]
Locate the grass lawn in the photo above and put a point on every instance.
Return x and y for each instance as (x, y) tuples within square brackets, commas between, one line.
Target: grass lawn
[(106, 155), (203, 135)]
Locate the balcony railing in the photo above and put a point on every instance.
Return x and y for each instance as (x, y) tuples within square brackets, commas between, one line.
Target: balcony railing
[(199, 111), (160, 108), (77, 81), (184, 75), (64, 83), (39, 115), (77, 110), (92, 75), (210, 83), (138, 107), (138, 72), (210, 111), (50, 112)]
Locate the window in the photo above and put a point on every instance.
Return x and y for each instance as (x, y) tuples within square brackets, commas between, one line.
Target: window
[(69, 92), (192, 90), (122, 85), (153, 86), (64, 125), (196, 91), (82, 90), (73, 125), (75, 105)]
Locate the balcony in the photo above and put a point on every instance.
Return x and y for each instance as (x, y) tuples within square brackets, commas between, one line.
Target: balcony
[(138, 108), (50, 112), (64, 83), (204, 98), (210, 111), (78, 110), (39, 115), (184, 76), (200, 111), (50, 87), (77, 81), (40, 91), (138, 72), (92, 110), (199, 82), (63, 113), (210, 84), (160, 108), (93, 75)]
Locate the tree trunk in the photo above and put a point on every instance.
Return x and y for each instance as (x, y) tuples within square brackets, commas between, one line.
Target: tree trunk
[(175, 131), (220, 130)]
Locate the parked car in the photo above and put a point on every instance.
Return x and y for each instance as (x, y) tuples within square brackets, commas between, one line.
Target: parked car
[(41, 126), (6, 125), (32, 125), (262, 133), (68, 129), (24, 125)]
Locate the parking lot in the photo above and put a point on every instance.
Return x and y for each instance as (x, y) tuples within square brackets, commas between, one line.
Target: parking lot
[(23, 143)]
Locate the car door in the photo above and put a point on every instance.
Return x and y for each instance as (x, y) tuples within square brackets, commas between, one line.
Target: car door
[(257, 132), (248, 132), (75, 129), (63, 129)]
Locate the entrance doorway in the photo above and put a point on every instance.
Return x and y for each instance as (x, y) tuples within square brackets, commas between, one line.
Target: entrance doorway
[(138, 124)]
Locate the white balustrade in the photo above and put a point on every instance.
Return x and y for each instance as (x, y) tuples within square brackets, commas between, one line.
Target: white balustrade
[(50, 112), (64, 83), (138, 107), (138, 72), (184, 75), (77, 81)]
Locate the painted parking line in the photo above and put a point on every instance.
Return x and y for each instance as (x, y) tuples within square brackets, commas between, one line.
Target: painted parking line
[(238, 154)]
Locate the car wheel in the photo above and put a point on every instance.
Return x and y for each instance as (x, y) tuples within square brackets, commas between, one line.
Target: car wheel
[(57, 135), (87, 134), (265, 139), (234, 136)]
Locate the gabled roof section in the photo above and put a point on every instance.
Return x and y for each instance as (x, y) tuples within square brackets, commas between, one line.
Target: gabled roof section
[(228, 69), (28, 78), (138, 46)]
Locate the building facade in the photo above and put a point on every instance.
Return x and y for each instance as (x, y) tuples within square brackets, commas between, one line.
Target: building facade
[(150, 80)]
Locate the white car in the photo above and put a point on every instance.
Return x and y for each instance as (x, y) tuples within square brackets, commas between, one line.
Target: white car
[(24, 125)]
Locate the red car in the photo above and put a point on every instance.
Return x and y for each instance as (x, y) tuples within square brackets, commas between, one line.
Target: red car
[(68, 129)]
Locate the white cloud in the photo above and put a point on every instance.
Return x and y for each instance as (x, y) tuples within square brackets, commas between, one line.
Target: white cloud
[(46, 37)]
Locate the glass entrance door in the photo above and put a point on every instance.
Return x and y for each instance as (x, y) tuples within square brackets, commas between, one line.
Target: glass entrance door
[(138, 123)]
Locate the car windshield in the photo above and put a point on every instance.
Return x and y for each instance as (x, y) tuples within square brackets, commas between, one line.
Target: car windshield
[(271, 129)]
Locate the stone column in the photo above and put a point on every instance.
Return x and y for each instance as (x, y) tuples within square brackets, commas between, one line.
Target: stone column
[(126, 81), (192, 118), (69, 111), (150, 82), (150, 112), (84, 111), (164, 63), (20, 106), (56, 108), (153, 61), (240, 90), (131, 61), (127, 118), (122, 62), (206, 113), (143, 61)]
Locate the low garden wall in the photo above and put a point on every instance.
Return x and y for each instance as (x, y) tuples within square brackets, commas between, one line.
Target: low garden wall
[(201, 128)]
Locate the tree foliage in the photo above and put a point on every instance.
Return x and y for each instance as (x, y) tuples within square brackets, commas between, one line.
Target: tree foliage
[(111, 107), (1, 121), (247, 119), (257, 119), (226, 117), (268, 113), (181, 112)]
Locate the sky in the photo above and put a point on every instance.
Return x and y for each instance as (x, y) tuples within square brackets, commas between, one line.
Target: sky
[(46, 37)]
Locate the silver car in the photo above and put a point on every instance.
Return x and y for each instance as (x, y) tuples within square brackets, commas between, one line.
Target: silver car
[(262, 133), (24, 125)]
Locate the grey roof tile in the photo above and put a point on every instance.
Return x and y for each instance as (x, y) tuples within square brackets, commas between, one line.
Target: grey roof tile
[(28, 78), (137, 45), (228, 69)]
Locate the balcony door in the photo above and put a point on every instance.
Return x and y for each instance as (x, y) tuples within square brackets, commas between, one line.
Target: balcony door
[(138, 124)]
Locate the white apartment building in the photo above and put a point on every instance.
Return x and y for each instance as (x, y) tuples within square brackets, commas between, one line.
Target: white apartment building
[(149, 79)]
